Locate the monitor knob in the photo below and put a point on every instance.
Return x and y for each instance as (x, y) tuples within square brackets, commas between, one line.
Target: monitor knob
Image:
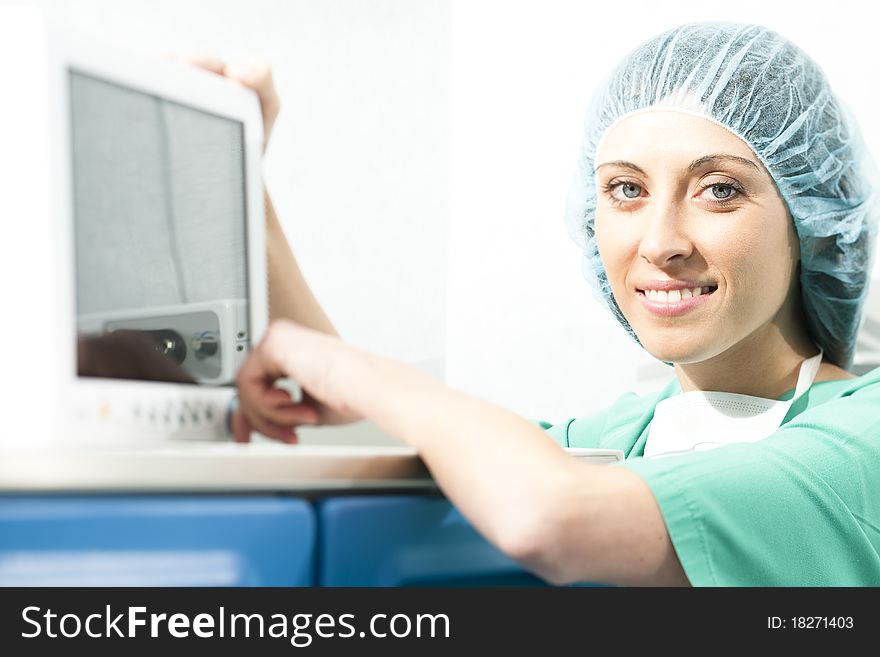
[(169, 343), (205, 344)]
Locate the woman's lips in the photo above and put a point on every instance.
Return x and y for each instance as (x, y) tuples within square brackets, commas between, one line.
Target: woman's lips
[(673, 308)]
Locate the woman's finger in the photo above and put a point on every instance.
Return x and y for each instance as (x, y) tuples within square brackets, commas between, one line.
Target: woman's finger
[(257, 75), (270, 429), (241, 428), (252, 73), (292, 414), (276, 397), (257, 375), (208, 62), (276, 406)]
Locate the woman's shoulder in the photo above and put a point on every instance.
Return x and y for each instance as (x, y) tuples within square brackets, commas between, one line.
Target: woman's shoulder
[(835, 404), (833, 382), (864, 384)]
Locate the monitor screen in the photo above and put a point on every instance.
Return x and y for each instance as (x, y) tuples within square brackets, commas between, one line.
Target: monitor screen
[(160, 236)]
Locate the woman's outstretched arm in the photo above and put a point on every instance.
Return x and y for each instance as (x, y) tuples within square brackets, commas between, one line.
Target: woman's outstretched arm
[(290, 296), (563, 519)]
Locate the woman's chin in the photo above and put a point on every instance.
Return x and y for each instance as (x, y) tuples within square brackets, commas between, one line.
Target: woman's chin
[(690, 351)]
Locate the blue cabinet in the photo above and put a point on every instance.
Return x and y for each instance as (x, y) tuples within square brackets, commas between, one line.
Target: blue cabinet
[(407, 541), (246, 540), (157, 541)]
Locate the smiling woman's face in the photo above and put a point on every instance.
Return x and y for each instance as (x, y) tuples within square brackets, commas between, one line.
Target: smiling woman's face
[(697, 243)]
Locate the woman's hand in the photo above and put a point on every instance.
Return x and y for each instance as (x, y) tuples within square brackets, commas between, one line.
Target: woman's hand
[(251, 73), (315, 361)]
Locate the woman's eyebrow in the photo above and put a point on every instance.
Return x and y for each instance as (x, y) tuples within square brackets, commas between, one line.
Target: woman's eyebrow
[(720, 157), (622, 163), (699, 162)]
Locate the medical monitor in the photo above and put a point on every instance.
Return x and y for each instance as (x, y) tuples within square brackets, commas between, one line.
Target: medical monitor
[(147, 199)]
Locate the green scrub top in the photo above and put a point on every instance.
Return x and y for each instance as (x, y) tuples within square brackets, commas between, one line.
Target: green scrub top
[(798, 508)]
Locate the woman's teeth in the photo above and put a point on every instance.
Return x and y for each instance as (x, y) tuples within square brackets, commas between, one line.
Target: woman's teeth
[(672, 296)]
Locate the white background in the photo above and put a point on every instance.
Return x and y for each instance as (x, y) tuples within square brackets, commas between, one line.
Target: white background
[(423, 154)]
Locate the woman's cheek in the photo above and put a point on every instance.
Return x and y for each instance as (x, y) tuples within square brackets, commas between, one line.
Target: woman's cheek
[(615, 250)]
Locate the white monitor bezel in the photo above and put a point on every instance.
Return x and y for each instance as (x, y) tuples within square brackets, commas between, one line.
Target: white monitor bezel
[(99, 409)]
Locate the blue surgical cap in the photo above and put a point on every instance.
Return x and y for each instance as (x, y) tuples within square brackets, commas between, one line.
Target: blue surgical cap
[(773, 96)]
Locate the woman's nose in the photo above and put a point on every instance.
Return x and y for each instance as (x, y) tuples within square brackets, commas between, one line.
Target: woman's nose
[(664, 237)]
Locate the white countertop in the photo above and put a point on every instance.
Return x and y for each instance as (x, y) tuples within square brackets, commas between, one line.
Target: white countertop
[(211, 467)]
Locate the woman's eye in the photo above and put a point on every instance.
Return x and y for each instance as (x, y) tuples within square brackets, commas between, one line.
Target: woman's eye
[(722, 191), (630, 191), (719, 192), (620, 193)]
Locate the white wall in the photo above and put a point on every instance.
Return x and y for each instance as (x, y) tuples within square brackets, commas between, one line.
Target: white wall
[(523, 329)]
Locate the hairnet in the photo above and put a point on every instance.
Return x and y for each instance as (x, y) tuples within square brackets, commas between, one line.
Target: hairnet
[(773, 96)]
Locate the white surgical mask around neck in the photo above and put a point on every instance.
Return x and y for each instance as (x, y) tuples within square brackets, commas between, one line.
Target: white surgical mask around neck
[(701, 420)]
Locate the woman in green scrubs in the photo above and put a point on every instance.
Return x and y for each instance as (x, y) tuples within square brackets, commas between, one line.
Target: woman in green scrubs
[(724, 205)]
